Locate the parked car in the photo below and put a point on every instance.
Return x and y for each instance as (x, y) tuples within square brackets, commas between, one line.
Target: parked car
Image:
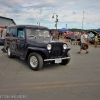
[(34, 44), (92, 36)]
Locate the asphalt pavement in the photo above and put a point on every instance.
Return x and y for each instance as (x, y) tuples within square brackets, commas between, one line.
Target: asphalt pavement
[(79, 80)]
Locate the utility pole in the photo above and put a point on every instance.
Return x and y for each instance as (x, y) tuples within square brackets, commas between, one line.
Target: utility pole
[(82, 20), (66, 25), (38, 23)]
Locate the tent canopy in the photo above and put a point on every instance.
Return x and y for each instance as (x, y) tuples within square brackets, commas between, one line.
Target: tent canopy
[(64, 29)]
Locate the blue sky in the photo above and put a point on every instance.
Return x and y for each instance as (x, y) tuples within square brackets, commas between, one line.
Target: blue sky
[(69, 12)]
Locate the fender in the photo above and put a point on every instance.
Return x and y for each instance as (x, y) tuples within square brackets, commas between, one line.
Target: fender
[(43, 51)]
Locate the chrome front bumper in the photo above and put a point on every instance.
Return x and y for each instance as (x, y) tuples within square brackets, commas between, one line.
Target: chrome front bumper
[(56, 58)]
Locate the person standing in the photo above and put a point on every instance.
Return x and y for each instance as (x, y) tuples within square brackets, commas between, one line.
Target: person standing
[(3, 38), (87, 37), (84, 43), (55, 36), (72, 38), (96, 40), (0, 32)]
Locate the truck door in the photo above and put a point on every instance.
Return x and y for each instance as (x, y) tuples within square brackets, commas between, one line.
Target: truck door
[(21, 42)]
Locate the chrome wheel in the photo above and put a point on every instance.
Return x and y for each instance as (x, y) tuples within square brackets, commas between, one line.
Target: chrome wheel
[(9, 52), (33, 61)]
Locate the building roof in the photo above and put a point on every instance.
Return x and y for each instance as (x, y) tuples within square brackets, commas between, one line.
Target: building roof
[(29, 26), (8, 19)]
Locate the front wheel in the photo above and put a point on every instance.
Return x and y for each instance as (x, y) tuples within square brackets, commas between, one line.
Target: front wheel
[(66, 61), (35, 61)]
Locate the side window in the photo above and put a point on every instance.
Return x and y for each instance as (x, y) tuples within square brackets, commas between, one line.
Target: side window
[(12, 31), (20, 33)]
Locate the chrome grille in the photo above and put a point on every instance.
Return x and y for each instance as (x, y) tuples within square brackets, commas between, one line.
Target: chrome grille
[(56, 50)]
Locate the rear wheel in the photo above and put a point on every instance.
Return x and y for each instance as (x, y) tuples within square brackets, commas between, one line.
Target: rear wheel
[(66, 61), (35, 61), (9, 53)]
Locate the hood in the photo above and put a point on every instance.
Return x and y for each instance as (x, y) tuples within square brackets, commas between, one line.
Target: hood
[(42, 42)]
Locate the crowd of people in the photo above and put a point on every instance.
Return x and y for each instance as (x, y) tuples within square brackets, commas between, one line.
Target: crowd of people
[(80, 38)]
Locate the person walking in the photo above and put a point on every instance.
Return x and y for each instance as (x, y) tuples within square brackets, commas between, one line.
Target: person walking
[(87, 37), (72, 38), (84, 43), (96, 40)]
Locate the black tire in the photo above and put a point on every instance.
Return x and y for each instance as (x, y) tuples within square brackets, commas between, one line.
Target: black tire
[(38, 61), (66, 61), (9, 53)]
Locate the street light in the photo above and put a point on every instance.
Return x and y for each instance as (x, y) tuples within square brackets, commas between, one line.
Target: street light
[(38, 23), (56, 19), (82, 20)]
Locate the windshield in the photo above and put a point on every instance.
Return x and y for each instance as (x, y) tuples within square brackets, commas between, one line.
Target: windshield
[(91, 35), (37, 32)]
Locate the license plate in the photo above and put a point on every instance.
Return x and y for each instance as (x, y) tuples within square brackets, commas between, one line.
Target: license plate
[(58, 60)]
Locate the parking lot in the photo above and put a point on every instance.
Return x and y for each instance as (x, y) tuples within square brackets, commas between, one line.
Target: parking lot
[(79, 80)]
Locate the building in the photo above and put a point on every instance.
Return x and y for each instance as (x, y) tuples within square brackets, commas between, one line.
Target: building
[(6, 22)]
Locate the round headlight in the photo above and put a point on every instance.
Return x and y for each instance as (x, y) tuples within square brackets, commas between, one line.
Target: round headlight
[(49, 46), (64, 46)]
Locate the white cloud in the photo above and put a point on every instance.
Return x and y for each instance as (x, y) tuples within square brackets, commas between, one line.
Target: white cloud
[(31, 4), (69, 12), (51, 1)]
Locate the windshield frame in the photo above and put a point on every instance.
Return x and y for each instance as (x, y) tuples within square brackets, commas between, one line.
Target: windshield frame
[(37, 32)]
